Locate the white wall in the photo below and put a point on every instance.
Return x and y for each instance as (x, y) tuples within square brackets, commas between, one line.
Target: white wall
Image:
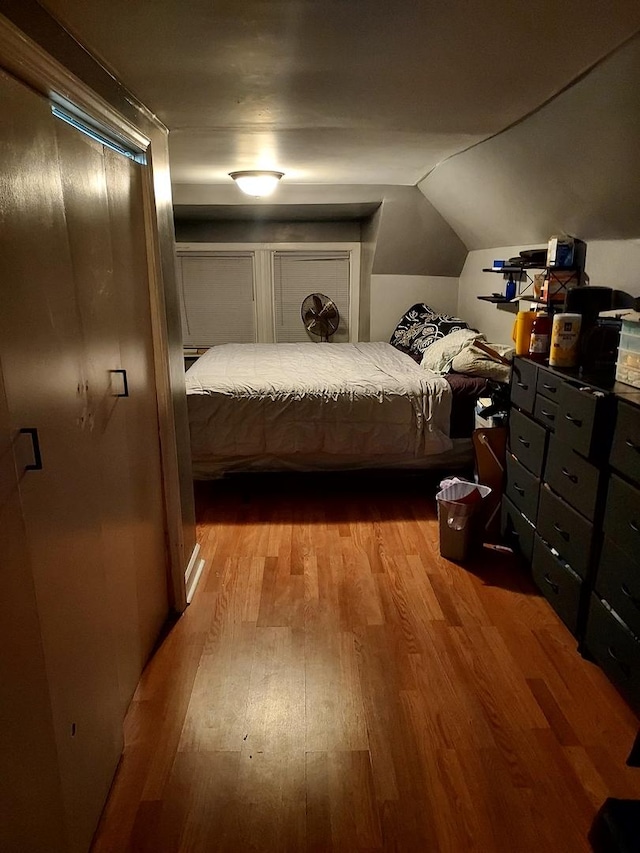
[(609, 263), (391, 295), (614, 263)]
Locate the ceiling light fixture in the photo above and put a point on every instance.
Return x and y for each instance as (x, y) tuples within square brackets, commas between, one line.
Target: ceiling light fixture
[(258, 182)]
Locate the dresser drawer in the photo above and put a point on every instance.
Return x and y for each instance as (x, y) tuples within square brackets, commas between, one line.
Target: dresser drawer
[(622, 516), (548, 384), (559, 585), (572, 477), (522, 488), (576, 418), (516, 530), (615, 649), (545, 411), (565, 529), (618, 582), (625, 451), (523, 384), (527, 440)]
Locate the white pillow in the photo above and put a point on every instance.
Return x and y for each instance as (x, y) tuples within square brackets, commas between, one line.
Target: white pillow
[(440, 354), (476, 362)]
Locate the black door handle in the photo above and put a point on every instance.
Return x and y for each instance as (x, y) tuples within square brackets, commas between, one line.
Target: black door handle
[(123, 373), (633, 446), (551, 388), (571, 476), (524, 442), (548, 415), (634, 526), (36, 465), (518, 489), (554, 586)]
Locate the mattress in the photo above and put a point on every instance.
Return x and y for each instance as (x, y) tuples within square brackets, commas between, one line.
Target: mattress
[(309, 406)]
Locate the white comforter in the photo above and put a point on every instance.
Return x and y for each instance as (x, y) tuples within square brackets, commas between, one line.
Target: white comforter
[(312, 405)]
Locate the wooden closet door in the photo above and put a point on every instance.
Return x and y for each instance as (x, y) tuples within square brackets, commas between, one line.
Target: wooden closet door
[(27, 745), (102, 193), (84, 186), (146, 517), (42, 356)]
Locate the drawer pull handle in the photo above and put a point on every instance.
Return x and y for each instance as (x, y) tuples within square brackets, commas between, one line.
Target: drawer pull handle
[(562, 532), (524, 442), (549, 415), (634, 526), (623, 666), (519, 489), (554, 586), (632, 598), (522, 385), (570, 476), (551, 388), (633, 446), (575, 421)]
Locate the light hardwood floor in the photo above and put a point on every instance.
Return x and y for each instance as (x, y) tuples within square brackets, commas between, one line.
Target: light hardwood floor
[(338, 686)]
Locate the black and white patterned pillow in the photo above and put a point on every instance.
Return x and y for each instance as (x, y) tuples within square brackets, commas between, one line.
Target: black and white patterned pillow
[(419, 327)]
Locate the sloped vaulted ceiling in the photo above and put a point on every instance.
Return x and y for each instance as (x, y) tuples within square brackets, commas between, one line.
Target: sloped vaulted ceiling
[(573, 166)]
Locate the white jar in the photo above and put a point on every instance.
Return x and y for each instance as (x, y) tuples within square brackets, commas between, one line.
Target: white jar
[(564, 340)]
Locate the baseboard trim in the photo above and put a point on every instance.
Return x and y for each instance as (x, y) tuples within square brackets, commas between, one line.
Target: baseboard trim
[(193, 572)]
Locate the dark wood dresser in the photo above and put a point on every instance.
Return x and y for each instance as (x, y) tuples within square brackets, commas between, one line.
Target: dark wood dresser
[(572, 508)]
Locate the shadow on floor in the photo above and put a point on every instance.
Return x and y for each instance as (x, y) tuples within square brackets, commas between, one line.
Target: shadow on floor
[(338, 498)]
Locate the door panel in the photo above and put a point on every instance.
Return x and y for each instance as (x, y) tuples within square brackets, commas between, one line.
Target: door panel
[(146, 511), (43, 357), (84, 184), (27, 743)]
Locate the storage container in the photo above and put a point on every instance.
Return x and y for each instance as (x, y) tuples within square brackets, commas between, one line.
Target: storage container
[(629, 341), (628, 364)]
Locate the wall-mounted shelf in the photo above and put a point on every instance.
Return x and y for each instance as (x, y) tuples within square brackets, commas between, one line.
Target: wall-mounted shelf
[(501, 302), (528, 266), (513, 269), (560, 279)]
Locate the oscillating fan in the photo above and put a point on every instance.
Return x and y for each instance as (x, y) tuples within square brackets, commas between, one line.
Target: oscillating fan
[(320, 315)]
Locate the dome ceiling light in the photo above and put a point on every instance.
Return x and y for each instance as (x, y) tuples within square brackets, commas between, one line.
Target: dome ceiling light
[(257, 182)]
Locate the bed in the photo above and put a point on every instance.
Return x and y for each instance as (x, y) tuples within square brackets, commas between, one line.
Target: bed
[(309, 406)]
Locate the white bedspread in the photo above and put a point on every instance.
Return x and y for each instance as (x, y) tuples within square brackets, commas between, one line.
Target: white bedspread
[(311, 405)]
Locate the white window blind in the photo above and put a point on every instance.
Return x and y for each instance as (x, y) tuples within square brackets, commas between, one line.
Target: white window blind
[(218, 299), (298, 274)]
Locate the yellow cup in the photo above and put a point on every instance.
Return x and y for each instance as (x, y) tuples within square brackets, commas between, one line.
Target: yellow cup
[(522, 331)]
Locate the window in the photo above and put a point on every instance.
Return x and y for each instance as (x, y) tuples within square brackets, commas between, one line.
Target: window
[(295, 276), (217, 298), (246, 293)]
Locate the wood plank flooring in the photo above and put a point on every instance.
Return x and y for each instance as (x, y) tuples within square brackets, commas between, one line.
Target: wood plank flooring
[(338, 686)]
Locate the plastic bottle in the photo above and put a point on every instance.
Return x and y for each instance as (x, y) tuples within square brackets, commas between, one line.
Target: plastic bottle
[(540, 340), (510, 290)]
